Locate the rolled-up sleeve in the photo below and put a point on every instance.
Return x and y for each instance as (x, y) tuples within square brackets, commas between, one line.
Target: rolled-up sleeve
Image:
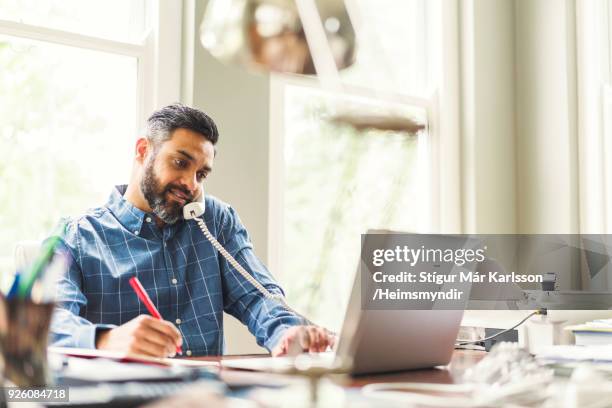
[(68, 327), (265, 318)]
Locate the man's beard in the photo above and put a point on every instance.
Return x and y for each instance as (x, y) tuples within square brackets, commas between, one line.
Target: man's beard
[(168, 211)]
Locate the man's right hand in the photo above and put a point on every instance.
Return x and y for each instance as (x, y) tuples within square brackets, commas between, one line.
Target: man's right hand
[(142, 335)]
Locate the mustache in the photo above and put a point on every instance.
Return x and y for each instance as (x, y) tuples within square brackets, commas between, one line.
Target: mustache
[(182, 190)]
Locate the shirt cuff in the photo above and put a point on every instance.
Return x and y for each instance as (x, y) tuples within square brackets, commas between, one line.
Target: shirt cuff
[(276, 336), (85, 336)]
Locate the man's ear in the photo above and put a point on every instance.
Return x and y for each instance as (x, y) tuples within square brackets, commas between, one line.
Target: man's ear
[(142, 148)]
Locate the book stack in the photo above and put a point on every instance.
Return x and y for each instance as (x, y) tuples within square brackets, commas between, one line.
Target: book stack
[(596, 332)]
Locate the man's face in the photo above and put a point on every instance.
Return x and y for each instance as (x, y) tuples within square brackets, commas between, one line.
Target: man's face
[(174, 171)]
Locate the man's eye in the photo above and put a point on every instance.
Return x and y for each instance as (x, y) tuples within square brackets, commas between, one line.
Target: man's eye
[(202, 176), (180, 163)]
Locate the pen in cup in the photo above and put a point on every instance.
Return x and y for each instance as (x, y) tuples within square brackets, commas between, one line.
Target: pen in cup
[(144, 298)]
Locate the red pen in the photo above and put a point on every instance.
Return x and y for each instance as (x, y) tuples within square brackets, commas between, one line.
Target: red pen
[(144, 298)]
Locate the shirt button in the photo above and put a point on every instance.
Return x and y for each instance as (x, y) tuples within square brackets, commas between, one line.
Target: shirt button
[(136, 232), (174, 281), (148, 219), (188, 352), (178, 321)]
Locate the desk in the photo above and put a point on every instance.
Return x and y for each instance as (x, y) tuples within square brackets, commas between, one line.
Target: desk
[(461, 361), (345, 390)]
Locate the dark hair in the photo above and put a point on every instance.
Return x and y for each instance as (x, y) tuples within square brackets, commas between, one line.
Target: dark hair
[(166, 120)]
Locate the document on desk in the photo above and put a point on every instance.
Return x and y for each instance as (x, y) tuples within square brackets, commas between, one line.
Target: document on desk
[(129, 357), (560, 354), (105, 370)]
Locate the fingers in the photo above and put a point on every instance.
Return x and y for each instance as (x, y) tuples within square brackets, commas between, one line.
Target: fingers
[(293, 342), (143, 346), (164, 329), (320, 339), (158, 339), (154, 337), (311, 338)]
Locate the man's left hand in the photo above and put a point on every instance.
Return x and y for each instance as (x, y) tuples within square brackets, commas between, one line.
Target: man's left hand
[(299, 339)]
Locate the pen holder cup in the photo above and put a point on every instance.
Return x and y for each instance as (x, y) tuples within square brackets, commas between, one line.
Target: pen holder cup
[(24, 328)]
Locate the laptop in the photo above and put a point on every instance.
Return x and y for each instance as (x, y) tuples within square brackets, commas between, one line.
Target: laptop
[(377, 341)]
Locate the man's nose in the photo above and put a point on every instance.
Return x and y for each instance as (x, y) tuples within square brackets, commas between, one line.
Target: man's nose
[(190, 183)]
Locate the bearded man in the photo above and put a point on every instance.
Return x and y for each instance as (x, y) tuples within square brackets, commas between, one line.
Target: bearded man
[(141, 232)]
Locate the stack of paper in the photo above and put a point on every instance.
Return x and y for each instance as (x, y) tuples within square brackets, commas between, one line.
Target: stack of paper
[(591, 333), (561, 354)]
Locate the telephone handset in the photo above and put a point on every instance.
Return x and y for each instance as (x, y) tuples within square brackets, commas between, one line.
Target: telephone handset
[(193, 211)]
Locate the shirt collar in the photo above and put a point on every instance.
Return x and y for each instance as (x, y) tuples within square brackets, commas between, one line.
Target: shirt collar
[(128, 215)]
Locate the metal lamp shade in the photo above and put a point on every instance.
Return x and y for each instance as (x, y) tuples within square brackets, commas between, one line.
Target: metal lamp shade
[(269, 35)]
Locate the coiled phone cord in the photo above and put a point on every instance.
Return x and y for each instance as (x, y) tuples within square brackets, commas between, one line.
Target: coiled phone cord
[(267, 294)]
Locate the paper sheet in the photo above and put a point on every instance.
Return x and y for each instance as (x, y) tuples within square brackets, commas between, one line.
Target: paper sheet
[(128, 357)]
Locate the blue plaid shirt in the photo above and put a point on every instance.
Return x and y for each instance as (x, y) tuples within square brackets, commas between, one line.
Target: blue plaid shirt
[(190, 283)]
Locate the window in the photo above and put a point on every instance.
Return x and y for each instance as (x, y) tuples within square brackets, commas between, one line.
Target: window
[(76, 82), (335, 182)]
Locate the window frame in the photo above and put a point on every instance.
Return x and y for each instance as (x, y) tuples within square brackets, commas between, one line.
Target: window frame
[(276, 169), (158, 55)]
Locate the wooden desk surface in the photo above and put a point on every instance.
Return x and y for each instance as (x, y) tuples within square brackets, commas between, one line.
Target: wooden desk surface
[(451, 374)]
